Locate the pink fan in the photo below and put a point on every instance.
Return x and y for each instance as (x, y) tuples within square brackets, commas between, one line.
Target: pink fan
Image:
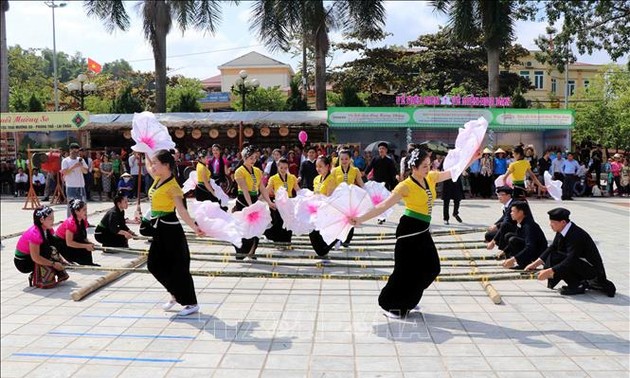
[(149, 134), (190, 183), (287, 208), (307, 206), (554, 187), (346, 202), (219, 193), (216, 223), (253, 220), (500, 181), (378, 193), (466, 146)]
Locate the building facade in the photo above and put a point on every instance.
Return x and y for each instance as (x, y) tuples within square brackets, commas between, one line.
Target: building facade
[(550, 86), (269, 72)]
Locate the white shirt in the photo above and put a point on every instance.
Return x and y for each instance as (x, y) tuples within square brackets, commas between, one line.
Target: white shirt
[(73, 179), (39, 178), (565, 229), (21, 177), (134, 168)]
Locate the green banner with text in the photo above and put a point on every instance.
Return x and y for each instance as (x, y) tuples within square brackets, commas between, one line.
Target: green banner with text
[(44, 121)]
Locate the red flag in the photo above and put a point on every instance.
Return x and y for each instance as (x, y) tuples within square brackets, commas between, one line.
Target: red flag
[(93, 66)]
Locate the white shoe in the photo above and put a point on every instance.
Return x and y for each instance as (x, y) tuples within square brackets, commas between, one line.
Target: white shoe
[(390, 315), (416, 309), (169, 305), (190, 309), (338, 245)]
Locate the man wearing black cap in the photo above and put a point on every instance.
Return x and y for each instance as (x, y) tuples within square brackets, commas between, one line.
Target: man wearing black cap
[(528, 242), (73, 168), (496, 233), (572, 257)]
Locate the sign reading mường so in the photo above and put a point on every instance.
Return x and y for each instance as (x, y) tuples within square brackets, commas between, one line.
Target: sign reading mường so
[(44, 121)]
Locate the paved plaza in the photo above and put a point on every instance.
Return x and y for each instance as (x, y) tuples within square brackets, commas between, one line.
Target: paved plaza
[(319, 327)]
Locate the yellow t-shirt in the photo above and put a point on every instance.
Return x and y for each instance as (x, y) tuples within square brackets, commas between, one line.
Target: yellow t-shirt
[(349, 178), (321, 185), (162, 197), (276, 183), (202, 170), (418, 201), (519, 170), (252, 180)]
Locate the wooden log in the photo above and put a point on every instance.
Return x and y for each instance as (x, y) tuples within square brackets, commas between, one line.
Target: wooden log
[(492, 292), (81, 293)]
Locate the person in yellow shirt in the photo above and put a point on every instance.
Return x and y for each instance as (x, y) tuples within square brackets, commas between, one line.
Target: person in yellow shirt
[(324, 184), (348, 173), (283, 178), (203, 190), (519, 170), (249, 180), (169, 256), (417, 262)]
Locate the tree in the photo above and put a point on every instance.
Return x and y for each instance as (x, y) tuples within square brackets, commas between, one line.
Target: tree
[(4, 58), (263, 99), (126, 103), (157, 18), (119, 69), (182, 95), (518, 101), (296, 100), (589, 25), (492, 21), (68, 66), (277, 21), (602, 112), (26, 69), (34, 105)]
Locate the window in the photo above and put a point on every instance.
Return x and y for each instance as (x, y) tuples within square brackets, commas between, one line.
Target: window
[(525, 74), (586, 84), (554, 86), (571, 87), (538, 79)]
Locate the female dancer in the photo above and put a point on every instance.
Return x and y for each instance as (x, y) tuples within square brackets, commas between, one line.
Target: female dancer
[(323, 184), (71, 236), (416, 262), (34, 252), (519, 170), (349, 174), (204, 191), (113, 230), (281, 179), (249, 180), (169, 257)]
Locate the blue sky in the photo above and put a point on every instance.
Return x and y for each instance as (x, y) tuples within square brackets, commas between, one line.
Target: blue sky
[(29, 24)]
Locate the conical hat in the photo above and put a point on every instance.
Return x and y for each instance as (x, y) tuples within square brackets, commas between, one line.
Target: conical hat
[(487, 151), (499, 151)]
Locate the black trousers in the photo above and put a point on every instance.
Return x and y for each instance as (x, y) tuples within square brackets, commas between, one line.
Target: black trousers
[(202, 194), (277, 232), (416, 265), (248, 245), (169, 259), (349, 238), (579, 271), (107, 239), (445, 210), (78, 255), (567, 186), (319, 245), (24, 264)]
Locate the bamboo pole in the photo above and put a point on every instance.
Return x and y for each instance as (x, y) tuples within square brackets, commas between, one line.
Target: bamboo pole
[(114, 274)]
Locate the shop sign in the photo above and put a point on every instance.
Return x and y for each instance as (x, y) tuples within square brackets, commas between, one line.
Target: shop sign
[(43, 121), (487, 102), (216, 97)]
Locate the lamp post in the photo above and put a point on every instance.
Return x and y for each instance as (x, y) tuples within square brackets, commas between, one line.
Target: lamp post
[(52, 5), (79, 91), (243, 86)]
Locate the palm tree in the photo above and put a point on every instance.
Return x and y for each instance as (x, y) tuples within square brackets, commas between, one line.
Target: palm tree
[(4, 62), (278, 21), (157, 18), (492, 20)]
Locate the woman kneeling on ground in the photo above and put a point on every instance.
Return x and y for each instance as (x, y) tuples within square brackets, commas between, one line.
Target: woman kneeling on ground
[(113, 230), (71, 236), (35, 254)]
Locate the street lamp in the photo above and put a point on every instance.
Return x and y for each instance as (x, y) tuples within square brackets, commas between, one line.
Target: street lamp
[(79, 91), (243, 86), (52, 5)]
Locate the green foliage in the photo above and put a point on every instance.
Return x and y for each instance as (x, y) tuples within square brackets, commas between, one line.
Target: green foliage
[(182, 95), (350, 97), (296, 98), (98, 105), (27, 77), (602, 112), (518, 101), (34, 105), (262, 99), (118, 69), (126, 103), (68, 67)]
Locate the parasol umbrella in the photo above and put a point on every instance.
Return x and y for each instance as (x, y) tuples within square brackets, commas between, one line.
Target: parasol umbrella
[(378, 193), (286, 207), (467, 144), (333, 218), (253, 220), (373, 147), (216, 223), (149, 134), (554, 187)]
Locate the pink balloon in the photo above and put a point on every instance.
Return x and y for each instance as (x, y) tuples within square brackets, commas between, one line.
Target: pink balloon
[(303, 137)]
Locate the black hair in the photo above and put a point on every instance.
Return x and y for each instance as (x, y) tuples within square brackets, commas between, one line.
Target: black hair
[(519, 150), (325, 159), (522, 206), (202, 154), (216, 145), (165, 157), (346, 151), (412, 146), (77, 204), (38, 214), (118, 198), (311, 148), (283, 160), (416, 157)]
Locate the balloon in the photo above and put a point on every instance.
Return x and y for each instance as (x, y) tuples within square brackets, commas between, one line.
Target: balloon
[(303, 137)]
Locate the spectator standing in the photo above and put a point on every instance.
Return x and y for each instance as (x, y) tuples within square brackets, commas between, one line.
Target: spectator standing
[(556, 166), (87, 177), (596, 165), (615, 168), (486, 172), (73, 169), (134, 170), (569, 169), (107, 176), (544, 165), (384, 168), (500, 163), (308, 170)]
